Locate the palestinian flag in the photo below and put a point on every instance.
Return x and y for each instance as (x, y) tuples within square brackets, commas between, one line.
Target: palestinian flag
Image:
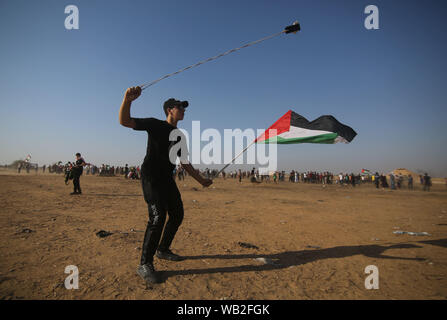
[(293, 128)]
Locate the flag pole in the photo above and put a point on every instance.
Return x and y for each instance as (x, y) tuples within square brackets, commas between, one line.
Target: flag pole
[(235, 158)]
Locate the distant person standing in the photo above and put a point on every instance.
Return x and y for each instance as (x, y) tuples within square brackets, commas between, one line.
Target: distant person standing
[(77, 172), (126, 171), (410, 182), (427, 182), (383, 181), (352, 177), (392, 182), (399, 181), (377, 180)]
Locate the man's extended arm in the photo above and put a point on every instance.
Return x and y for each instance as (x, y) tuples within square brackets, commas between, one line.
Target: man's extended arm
[(196, 175), (124, 114), (83, 164)]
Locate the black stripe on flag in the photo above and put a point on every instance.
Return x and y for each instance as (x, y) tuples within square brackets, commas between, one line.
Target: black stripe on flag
[(325, 123)]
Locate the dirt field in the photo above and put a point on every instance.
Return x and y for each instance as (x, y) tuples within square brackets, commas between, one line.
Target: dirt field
[(316, 241)]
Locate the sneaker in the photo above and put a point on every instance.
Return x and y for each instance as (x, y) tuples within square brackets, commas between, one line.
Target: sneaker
[(73, 193), (148, 273), (168, 255)]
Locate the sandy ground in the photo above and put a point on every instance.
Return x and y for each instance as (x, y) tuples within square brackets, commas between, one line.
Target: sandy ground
[(317, 241)]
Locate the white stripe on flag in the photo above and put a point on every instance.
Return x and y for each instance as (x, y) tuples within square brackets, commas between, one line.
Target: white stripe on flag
[(296, 132)]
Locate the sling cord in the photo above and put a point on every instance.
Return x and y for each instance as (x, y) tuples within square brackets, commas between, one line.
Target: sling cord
[(146, 85)]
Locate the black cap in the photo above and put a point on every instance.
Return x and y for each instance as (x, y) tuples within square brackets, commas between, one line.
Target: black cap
[(171, 103)]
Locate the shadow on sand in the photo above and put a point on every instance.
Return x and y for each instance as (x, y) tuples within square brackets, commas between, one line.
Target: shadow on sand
[(113, 195), (294, 258), (439, 242)]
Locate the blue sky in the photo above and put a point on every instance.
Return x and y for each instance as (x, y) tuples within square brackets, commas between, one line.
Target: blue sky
[(61, 89)]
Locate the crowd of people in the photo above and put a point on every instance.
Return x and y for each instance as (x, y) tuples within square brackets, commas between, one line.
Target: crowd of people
[(398, 181), (27, 166), (132, 172), (391, 180), (280, 176)]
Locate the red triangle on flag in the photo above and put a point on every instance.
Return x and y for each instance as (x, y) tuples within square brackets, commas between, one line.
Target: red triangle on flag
[(281, 125)]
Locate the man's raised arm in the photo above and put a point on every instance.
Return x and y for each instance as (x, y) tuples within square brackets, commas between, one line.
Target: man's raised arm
[(124, 115)]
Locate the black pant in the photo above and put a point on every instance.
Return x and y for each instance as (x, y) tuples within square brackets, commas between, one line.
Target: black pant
[(76, 183), (161, 198)]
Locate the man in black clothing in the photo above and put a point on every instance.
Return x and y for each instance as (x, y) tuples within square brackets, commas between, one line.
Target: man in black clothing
[(159, 188), (427, 182), (376, 180), (77, 169)]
